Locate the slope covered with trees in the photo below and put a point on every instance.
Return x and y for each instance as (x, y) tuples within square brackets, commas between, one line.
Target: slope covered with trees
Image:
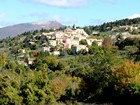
[(101, 76), (109, 25)]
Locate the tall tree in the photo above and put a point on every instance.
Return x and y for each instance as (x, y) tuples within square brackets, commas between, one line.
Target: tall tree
[(107, 42), (2, 59)]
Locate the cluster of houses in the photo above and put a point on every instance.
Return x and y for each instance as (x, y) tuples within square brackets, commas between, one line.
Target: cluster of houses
[(65, 40), (126, 32), (68, 39), (128, 28)]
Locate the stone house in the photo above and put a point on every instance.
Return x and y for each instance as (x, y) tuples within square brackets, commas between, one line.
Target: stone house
[(52, 42), (30, 61)]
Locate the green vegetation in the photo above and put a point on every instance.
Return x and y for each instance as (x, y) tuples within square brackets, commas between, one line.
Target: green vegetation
[(110, 25), (107, 74), (83, 42), (101, 76)]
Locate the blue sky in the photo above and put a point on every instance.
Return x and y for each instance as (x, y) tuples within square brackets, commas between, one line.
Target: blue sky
[(67, 12)]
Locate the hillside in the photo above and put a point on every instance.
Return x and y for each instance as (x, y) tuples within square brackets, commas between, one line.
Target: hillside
[(109, 26), (15, 30), (68, 67)]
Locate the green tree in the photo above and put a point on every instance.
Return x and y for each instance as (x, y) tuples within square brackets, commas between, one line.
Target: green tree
[(69, 51), (137, 42), (83, 51), (88, 30), (127, 82), (35, 88), (43, 54), (94, 48), (120, 42), (129, 42), (83, 42), (52, 62), (11, 65), (62, 65), (9, 89), (97, 78), (2, 59), (107, 42)]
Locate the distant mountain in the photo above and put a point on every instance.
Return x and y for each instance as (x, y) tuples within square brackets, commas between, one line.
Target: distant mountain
[(24, 27)]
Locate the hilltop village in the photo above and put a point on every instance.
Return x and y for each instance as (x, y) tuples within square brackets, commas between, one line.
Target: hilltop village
[(70, 39), (67, 41), (74, 39)]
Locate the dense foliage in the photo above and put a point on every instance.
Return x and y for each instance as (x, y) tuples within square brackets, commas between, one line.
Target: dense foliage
[(101, 77)]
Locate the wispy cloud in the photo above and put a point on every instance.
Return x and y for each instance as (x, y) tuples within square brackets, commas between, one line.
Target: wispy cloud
[(62, 3), (134, 16)]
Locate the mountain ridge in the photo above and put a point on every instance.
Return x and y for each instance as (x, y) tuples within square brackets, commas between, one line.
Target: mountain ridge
[(14, 30)]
